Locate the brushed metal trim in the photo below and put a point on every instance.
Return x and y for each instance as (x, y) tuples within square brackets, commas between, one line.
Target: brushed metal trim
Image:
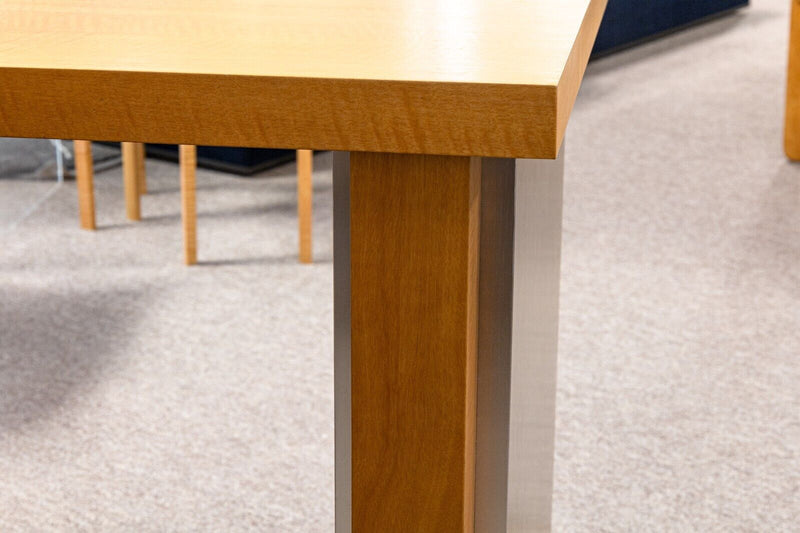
[(521, 212), (534, 343), (495, 293), (341, 342)]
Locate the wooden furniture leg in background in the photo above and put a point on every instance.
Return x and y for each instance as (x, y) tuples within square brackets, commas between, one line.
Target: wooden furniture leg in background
[(426, 249), (791, 142), (84, 177), (141, 172), (133, 176), (305, 202), (188, 163), (130, 175)]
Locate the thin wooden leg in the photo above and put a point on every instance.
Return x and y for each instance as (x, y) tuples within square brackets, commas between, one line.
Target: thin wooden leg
[(412, 333), (130, 176), (792, 129), (304, 202), (188, 162), (141, 171), (84, 176)]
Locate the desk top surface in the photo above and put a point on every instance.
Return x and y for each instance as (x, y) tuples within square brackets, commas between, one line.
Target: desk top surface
[(497, 49)]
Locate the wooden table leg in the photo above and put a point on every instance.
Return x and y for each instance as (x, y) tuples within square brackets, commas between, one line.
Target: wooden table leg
[(304, 202), (141, 169), (412, 309), (130, 175), (84, 177), (188, 163), (426, 248), (792, 129)]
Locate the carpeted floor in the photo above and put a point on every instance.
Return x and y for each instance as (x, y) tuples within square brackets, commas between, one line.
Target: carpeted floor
[(139, 395)]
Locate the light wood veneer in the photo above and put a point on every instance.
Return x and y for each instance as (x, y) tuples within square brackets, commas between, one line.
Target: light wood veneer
[(466, 77)]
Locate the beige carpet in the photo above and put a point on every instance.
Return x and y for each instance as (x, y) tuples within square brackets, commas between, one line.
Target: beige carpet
[(139, 395)]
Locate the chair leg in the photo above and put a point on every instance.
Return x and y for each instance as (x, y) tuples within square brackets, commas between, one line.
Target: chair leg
[(84, 177), (188, 163), (130, 176), (792, 129), (141, 172), (304, 202)]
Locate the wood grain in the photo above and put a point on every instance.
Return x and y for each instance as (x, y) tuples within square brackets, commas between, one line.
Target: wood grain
[(475, 77), (414, 226), (130, 176), (84, 177), (188, 162), (571, 77), (141, 171), (791, 141), (305, 202)]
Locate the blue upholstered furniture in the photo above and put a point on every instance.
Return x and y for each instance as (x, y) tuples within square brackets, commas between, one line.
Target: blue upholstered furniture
[(629, 21)]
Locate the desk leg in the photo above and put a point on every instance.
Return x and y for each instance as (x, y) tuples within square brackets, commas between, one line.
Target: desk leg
[(414, 328), (791, 141)]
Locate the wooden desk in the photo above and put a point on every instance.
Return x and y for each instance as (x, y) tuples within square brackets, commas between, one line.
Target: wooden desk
[(444, 364)]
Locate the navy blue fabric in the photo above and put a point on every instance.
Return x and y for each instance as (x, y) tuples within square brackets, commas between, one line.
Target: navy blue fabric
[(242, 161), (627, 21)]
